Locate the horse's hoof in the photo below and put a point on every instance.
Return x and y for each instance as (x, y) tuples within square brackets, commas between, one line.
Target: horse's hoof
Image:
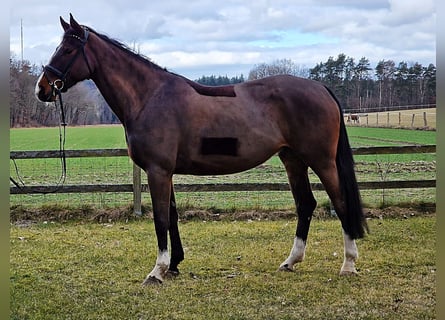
[(150, 281), (172, 274), (285, 267)]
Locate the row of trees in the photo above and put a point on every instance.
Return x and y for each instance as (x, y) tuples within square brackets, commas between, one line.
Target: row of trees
[(83, 103), (281, 66), (219, 80), (358, 86)]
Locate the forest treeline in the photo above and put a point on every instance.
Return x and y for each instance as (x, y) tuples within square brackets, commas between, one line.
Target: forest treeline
[(361, 88), (358, 86)]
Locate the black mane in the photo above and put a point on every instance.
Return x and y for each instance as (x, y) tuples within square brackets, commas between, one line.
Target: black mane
[(120, 45), (227, 91)]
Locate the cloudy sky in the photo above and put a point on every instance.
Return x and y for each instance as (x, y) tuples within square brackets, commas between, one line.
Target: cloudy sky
[(203, 37)]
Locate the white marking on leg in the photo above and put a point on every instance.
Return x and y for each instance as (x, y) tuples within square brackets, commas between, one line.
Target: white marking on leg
[(161, 267), (351, 254), (296, 255), (37, 88)]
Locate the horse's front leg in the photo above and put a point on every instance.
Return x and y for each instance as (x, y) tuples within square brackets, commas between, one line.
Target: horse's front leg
[(177, 252), (160, 187)]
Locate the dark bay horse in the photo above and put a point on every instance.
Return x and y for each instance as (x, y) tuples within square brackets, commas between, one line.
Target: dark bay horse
[(174, 125), (353, 117)]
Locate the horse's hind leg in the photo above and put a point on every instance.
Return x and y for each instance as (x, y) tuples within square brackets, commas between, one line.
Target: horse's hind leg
[(297, 172), (328, 175)]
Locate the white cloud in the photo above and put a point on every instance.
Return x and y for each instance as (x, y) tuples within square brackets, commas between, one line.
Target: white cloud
[(409, 11), (180, 59), (207, 35)]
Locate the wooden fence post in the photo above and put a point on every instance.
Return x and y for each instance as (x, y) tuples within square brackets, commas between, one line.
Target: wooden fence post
[(412, 120), (424, 119), (137, 190)]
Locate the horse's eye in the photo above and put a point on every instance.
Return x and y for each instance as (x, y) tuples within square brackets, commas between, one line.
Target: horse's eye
[(68, 51)]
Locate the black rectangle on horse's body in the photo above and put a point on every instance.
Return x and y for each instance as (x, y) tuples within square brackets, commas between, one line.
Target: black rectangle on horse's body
[(227, 146)]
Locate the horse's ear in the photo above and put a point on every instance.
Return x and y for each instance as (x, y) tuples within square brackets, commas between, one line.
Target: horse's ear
[(75, 25), (65, 25)]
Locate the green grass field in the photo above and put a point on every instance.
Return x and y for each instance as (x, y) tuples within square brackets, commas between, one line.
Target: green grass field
[(119, 170), (94, 271), (89, 137), (81, 269), (113, 136)]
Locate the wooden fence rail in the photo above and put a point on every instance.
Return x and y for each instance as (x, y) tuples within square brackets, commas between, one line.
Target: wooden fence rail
[(93, 153), (137, 187)]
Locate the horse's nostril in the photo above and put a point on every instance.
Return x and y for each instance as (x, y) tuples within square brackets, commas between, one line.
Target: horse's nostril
[(41, 95)]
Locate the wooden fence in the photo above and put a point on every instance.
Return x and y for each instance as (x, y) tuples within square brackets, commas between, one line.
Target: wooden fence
[(393, 119), (137, 187)]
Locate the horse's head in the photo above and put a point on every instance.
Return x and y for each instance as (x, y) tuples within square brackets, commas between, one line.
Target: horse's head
[(68, 65)]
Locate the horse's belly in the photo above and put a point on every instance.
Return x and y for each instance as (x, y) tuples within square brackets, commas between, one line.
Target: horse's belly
[(229, 146), (220, 164)]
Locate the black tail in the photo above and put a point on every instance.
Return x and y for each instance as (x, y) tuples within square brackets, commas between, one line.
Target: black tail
[(355, 222)]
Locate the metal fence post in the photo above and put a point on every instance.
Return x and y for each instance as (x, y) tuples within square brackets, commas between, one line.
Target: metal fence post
[(137, 190)]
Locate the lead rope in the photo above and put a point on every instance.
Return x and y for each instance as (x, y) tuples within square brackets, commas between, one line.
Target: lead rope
[(62, 135)]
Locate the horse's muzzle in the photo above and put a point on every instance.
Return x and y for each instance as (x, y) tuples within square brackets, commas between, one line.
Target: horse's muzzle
[(45, 96), (44, 91)]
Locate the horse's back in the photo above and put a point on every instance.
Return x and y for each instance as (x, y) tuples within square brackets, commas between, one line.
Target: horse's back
[(289, 89), (296, 98)]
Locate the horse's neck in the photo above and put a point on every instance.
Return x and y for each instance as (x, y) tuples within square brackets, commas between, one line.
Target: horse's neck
[(125, 83)]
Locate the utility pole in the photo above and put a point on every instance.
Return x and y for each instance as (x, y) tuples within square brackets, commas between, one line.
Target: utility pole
[(21, 39)]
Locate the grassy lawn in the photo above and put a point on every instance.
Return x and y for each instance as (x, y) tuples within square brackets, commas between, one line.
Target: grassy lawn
[(88, 270), (113, 136), (89, 137), (81, 270)]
